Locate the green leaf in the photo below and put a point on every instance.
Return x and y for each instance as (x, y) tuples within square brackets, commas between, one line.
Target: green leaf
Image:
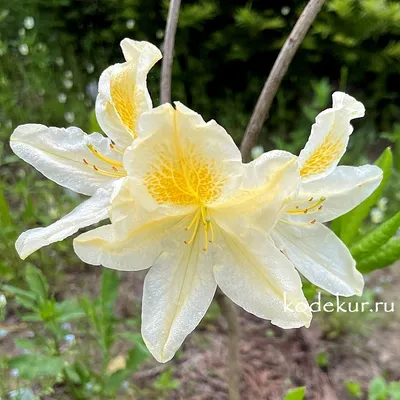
[(166, 382), (26, 344), (353, 388), (22, 297), (377, 389), (387, 255), (5, 215), (31, 366), (68, 310), (136, 356), (296, 394), (351, 221), (37, 282), (394, 390), (377, 238), (109, 290)]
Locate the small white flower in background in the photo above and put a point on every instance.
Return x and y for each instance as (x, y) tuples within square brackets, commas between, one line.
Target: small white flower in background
[(23, 49), (3, 333), (59, 61), (3, 300), (130, 23), (326, 192), (383, 203), (376, 215), (14, 372), (256, 151), (199, 217), (89, 68), (89, 164), (69, 117), (70, 339), (62, 98), (29, 22)]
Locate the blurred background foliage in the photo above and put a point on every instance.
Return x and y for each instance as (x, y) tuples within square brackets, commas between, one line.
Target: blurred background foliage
[(52, 53)]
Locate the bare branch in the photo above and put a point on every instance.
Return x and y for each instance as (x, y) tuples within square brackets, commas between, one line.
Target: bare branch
[(260, 113), (229, 311), (169, 42)]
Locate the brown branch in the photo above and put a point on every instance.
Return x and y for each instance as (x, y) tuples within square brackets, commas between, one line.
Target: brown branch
[(229, 311), (260, 113), (169, 42)]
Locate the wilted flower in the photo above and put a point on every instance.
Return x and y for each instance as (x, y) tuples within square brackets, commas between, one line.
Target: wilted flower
[(89, 164), (326, 192), (194, 213)]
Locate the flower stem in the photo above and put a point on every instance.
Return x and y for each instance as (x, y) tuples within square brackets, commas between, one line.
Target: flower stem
[(168, 57), (229, 311)]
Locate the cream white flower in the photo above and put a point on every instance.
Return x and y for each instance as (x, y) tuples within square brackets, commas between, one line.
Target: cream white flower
[(199, 217), (89, 164), (326, 192)]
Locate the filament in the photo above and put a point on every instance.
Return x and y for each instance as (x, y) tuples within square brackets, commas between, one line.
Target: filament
[(103, 157)]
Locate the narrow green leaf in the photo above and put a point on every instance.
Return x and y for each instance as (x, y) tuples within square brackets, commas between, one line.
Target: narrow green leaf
[(387, 255), (377, 238), (296, 394), (109, 290), (351, 221), (37, 281), (377, 389), (22, 297), (5, 215), (31, 366)]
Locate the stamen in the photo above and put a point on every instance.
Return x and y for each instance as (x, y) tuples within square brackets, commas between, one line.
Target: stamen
[(113, 147), (313, 208), (197, 219), (116, 174), (104, 158), (208, 230), (312, 222)]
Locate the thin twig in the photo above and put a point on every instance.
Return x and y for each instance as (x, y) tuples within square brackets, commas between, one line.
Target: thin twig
[(168, 57), (260, 113), (229, 311)]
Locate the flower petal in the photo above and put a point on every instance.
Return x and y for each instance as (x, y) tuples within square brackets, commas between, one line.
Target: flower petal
[(178, 290), (64, 156), (343, 189), (266, 183), (123, 93), (329, 137), (321, 257), (257, 277), (89, 212), (178, 159), (131, 250)]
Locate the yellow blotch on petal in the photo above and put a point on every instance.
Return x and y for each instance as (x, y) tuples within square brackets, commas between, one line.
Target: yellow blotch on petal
[(122, 90), (185, 179), (325, 154)]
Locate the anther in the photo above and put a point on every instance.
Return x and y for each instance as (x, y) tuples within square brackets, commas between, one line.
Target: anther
[(85, 162), (305, 211), (311, 199), (95, 168), (115, 168), (313, 221), (319, 208)]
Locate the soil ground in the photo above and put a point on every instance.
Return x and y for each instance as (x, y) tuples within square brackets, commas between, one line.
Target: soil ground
[(273, 360)]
